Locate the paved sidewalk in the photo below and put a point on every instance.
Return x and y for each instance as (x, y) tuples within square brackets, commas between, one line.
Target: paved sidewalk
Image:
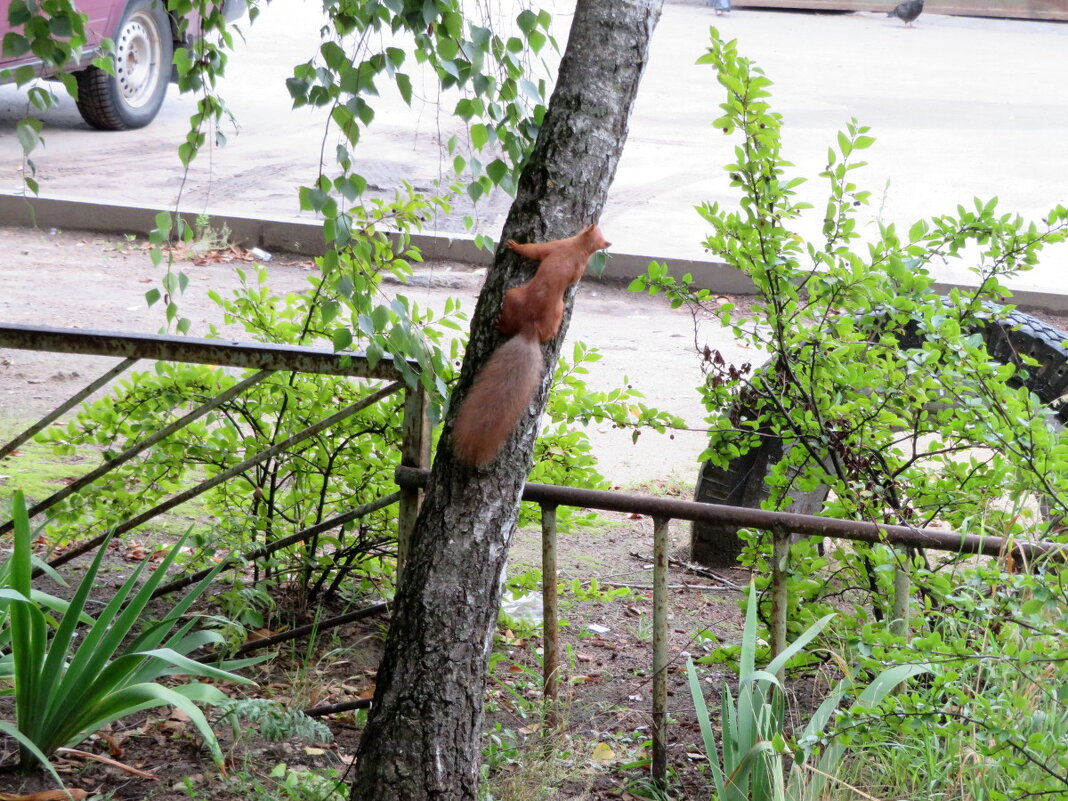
[(960, 107)]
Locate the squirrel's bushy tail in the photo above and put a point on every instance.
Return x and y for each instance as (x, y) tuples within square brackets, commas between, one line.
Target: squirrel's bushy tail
[(500, 394)]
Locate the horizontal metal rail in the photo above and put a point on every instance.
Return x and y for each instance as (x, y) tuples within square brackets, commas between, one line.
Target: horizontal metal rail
[(223, 352), (786, 522)]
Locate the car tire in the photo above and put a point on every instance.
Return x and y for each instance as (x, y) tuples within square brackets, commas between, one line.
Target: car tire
[(742, 482), (144, 50)]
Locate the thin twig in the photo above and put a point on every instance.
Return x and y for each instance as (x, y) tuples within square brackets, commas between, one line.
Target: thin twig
[(107, 761), (697, 570)]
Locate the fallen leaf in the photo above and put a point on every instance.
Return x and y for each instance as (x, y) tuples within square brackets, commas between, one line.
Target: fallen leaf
[(584, 679), (602, 754)]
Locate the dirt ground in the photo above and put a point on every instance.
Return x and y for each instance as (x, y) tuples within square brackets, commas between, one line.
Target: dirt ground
[(74, 279)]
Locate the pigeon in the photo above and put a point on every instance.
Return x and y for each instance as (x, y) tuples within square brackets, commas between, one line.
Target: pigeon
[(907, 11)]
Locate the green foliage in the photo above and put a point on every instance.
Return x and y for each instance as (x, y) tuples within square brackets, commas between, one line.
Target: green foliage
[(53, 32), (309, 785), (884, 393), (572, 402), (272, 720), (879, 390), (590, 590), (483, 60), (48, 603), (749, 765), (288, 782), (994, 716), (69, 684), (563, 453), (501, 102)]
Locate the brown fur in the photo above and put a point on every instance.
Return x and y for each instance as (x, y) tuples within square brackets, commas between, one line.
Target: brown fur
[(531, 314)]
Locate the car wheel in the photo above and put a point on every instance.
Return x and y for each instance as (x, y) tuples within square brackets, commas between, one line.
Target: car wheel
[(144, 50)]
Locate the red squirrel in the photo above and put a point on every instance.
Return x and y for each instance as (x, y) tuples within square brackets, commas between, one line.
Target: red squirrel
[(531, 314)]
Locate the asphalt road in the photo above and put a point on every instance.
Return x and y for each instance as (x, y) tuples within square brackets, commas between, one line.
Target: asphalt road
[(960, 107)]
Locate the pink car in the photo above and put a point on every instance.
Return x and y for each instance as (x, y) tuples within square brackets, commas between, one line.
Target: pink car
[(144, 35)]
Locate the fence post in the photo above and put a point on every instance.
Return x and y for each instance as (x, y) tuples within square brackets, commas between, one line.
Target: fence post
[(902, 590), (415, 452), (780, 579), (660, 649), (550, 615)]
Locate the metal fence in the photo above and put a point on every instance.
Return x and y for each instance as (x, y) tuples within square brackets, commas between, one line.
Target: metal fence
[(412, 475), (265, 359), (782, 525)]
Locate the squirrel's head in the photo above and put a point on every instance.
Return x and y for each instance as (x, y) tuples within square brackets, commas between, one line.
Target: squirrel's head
[(593, 238)]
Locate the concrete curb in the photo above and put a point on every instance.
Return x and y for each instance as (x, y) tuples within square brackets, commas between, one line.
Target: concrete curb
[(305, 237)]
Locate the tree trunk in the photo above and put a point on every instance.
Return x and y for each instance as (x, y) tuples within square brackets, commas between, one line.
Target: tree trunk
[(422, 740)]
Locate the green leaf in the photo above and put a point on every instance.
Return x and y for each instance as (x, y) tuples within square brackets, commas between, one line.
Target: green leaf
[(28, 132), (342, 338), (404, 85), (917, 231), (14, 45), (497, 170), (479, 135)]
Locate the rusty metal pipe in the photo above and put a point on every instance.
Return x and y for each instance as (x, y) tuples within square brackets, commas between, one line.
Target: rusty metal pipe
[(193, 350), (661, 542), (808, 525)]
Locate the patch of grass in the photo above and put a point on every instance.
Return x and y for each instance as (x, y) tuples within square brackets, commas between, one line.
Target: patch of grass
[(36, 469), (283, 782), (675, 485), (33, 467)]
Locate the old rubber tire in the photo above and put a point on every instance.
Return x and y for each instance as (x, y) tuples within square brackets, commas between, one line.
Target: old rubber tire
[(144, 50), (742, 482)]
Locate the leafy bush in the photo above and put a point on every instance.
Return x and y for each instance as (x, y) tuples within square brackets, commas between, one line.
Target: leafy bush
[(995, 715), (273, 720), (912, 430), (884, 394)]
